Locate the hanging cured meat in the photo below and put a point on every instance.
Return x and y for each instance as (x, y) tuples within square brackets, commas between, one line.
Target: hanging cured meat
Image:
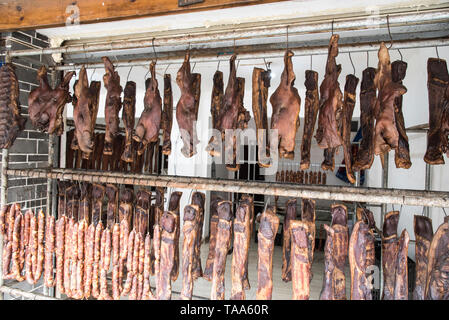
[(386, 135), (188, 248), (358, 262), (216, 108), (147, 129), (221, 249), (213, 225), (266, 235), (198, 199), (112, 207), (113, 104), (365, 155), (402, 152), (142, 211), (308, 217), (98, 193), (186, 112), (437, 285), (368, 218), (247, 199), (84, 211), (46, 105), (286, 104), (49, 249), (129, 118), (287, 241), (261, 83), (335, 254), (389, 253), (240, 251), (300, 263), (11, 122), (437, 86), (60, 241), (167, 253), (328, 135), (348, 109), (173, 207), (401, 279), (126, 205), (310, 115), (423, 235), (167, 115)]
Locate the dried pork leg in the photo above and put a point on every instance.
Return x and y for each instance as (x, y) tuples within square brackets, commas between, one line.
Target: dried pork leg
[(437, 284), (357, 262), (401, 279), (147, 129), (213, 223), (327, 134), (221, 249), (268, 228), (335, 254), (129, 118), (286, 104), (300, 263), (348, 109), (437, 84), (423, 235), (389, 253), (199, 199), (11, 122), (188, 249), (186, 109), (402, 152), (98, 192), (46, 105), (240, 250), (173, 207), (167, 252), (261, 83), (287, 240), (167, 115), (310, 115), (386, 135)]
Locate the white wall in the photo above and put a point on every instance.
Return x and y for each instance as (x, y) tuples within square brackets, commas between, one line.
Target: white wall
[(415, 108)]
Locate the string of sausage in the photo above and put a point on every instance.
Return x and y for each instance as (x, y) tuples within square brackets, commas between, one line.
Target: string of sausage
[(105, 261), (38, 263), (129, 260), (124, 234), (89, 249), (73, 258), (97, 259), (32, 250), (67, 255), (16, 270), (49, 250), (116, 261), (147, 293), (7, 249), (79, 259), (60, 245), (135, 266)]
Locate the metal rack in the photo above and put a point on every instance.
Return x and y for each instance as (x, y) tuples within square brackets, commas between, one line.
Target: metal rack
[(339, 193)]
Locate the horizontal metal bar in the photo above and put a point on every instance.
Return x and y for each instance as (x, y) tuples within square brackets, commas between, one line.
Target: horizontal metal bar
[(25, 294), (337, 193), (344, 24), (276, 53)]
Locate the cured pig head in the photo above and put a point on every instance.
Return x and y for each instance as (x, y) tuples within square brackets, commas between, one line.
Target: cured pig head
[(46, 105), (147, 129)]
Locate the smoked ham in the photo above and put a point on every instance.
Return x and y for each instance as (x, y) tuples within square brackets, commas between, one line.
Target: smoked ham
[(287, 240), (389, 253), (286, 104), (188, 249), (46, 105), (401, 278), (358, 262), (167, 252), (129, 119), (300, 263), (423, 235)]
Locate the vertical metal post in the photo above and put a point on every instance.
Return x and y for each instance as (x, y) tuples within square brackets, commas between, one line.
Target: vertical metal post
[(382, 214), (427, 187)]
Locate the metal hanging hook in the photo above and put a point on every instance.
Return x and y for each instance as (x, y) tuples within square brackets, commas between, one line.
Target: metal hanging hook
[(92, 75), (350, 59), (311, 61), (193, 66), (444, 212), (400, 54), (438, 55), (127, 77), (367, 59), (154, 50), (165, 71), (218, 65), (266, 65), (287, 37), (389, 32), (332, 28), (238, 63)]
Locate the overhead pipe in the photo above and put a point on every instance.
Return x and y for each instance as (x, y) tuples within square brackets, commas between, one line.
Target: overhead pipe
[(366, 22)]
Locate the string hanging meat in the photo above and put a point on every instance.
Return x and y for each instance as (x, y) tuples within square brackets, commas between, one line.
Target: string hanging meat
[(167, 115), (128, 117)]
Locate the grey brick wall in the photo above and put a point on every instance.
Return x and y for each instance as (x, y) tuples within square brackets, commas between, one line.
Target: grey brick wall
[(31, 147)]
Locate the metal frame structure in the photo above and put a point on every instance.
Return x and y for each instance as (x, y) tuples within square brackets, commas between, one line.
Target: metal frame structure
[(382, 195)]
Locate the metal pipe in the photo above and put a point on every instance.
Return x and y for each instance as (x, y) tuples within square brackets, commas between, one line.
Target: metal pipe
[(25, 294), (267, 54), (339, 193), (249, 32)]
